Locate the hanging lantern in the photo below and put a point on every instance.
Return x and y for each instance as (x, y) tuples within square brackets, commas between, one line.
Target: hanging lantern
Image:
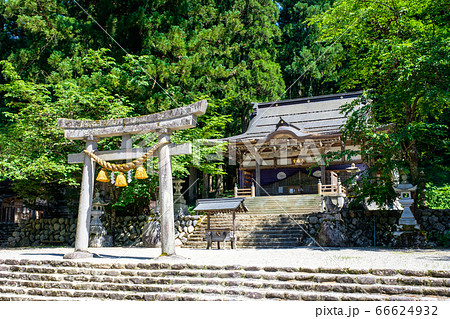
[(102, 176), (121, 181), (141, 173)]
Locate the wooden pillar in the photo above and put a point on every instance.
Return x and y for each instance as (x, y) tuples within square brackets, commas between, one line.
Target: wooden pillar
[(85, 205), (238, 171), (166, 197), (205, 193), (233, 239), (323, 174), (219, 188), (258, 177)]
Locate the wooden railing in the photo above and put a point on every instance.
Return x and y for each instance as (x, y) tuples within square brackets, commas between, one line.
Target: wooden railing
[(331, 189), (244, 192)]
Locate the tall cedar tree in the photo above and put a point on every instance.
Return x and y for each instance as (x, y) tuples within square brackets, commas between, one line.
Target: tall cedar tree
[(57, 62), (309, 67)]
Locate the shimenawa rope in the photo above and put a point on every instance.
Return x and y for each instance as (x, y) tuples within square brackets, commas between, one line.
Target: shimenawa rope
[(127, 166)]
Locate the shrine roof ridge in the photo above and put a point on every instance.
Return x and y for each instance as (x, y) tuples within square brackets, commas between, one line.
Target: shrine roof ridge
[(313, 117), (310, 99)]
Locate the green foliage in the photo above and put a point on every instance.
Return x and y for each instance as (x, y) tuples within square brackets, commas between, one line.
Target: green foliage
[(309, 67), (33, 148), (441, 238), (138, 194), (56, 62), (437, 197), (398, 52)]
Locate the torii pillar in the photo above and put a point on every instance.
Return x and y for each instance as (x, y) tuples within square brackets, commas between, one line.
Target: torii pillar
[(166, 198), (85, 205), (163, 123)]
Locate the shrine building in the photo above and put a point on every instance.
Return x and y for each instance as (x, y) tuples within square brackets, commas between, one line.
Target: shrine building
[(280, 152)]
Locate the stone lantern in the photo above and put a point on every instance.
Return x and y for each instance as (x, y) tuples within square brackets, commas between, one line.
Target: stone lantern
[(353, 170), (180, 207), (98, 236), (408, 232), (407, 220)]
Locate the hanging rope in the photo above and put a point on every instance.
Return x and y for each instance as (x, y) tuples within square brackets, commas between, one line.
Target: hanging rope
[(127, 166)]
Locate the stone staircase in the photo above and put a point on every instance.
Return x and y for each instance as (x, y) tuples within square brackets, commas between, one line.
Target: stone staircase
[(271, 222), (255, 231), (75, 280), (291, 204)]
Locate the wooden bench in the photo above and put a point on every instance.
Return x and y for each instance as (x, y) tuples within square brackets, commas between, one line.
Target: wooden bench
[(219, 235)]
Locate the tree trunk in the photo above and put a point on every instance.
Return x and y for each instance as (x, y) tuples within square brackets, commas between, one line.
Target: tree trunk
[(205, 185)]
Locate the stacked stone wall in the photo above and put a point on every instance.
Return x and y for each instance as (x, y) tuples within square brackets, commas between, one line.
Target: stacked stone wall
[(61, 231), (436, 222), (128, 229), (361, 226), (6, 231), (35, 232)]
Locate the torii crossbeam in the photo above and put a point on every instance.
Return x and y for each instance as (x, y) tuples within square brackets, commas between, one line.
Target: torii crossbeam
[(163, 123)]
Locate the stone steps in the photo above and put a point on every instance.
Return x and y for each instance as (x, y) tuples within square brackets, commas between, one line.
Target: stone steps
[(108, 291), (257, 228), (71, 280), (283, 204), (257, 235), (21, 294), (256, 231), (21, 297)]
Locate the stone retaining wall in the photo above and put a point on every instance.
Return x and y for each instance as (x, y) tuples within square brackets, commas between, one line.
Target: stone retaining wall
[(35, 232), (361, 226), (61, 231), (6, 231), (128, 229)]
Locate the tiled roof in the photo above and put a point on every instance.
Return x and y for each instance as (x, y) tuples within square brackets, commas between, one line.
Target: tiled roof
[(313, 116)]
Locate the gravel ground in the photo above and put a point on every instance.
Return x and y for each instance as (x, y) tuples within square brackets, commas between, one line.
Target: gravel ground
[(356, 258)]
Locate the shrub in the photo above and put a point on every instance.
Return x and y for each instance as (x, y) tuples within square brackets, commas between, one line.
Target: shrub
[(437, 197)]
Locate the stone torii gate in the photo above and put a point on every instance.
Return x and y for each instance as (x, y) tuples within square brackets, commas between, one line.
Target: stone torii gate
[(91, 132)]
